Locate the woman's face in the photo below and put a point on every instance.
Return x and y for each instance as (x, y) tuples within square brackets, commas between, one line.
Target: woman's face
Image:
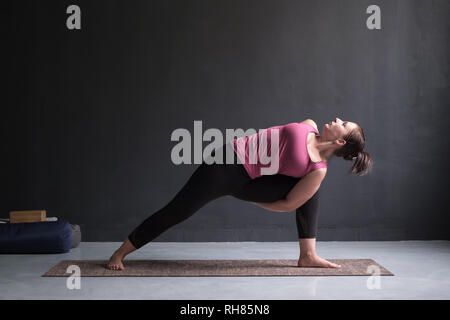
[(337, 129)]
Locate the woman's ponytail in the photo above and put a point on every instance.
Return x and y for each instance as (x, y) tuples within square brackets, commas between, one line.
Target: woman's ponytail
[(362, 165), (353, 151)]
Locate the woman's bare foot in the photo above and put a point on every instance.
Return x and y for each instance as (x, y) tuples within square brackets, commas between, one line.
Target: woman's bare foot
[(115, 262), (316, 261)]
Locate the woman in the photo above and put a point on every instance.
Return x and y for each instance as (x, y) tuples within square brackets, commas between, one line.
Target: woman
[(303, 156)]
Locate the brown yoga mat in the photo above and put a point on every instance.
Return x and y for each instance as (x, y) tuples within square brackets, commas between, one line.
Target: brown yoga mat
[(217, 268)]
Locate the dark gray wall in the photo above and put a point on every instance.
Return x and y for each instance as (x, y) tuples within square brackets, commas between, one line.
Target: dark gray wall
[(88, 116)]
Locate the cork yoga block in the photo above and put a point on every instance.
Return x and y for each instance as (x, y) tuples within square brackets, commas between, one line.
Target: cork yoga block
[(27, 216)]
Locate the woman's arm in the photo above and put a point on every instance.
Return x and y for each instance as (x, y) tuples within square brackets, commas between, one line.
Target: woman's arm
[(277, 206), (305, 188), (299, 194)]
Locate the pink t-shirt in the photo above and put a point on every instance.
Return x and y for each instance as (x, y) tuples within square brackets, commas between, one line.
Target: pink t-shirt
[(293, 158)]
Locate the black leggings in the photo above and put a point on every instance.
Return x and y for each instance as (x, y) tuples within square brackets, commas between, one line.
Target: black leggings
[(211, 181)]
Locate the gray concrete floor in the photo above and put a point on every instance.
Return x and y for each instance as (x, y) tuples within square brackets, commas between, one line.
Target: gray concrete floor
[(421, 269)]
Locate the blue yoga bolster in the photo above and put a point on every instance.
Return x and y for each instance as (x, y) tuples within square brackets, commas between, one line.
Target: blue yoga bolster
[(35, 237)]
